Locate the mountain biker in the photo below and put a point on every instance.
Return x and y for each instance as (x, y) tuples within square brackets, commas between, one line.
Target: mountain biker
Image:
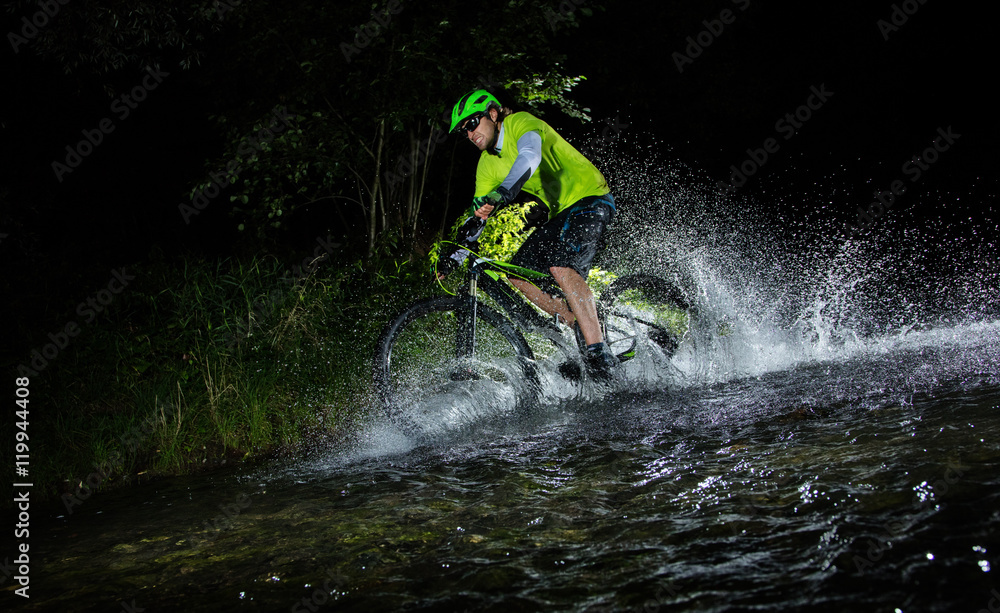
[(520, 151)]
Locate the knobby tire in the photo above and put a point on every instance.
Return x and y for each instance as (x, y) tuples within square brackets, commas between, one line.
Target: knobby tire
[(632, 308), (417, 352)]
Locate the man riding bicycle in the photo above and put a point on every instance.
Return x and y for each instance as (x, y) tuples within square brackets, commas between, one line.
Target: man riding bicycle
[(520, 151)]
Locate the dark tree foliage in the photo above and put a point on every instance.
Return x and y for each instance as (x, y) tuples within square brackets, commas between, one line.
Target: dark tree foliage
[(364, 89)]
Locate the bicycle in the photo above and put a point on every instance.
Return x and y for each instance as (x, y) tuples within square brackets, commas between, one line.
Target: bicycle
[(441, 343)]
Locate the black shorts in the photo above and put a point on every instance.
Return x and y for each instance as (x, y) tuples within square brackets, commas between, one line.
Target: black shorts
[(571, 239)]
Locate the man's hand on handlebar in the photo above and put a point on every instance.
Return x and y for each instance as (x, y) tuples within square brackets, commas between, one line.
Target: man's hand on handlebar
[(484, 205), (484, 211), (468, 234)]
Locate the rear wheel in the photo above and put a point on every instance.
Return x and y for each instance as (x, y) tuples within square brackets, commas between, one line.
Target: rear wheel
[(638, 309), (432, 349)]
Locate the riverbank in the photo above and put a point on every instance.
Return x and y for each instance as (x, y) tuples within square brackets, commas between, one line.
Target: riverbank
[(176, 365), (179, 364)]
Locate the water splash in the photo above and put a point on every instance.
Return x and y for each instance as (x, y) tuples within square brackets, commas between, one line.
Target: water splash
[(777, 285)]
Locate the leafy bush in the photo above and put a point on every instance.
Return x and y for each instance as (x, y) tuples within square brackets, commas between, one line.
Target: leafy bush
[(502, 237), (201, 362)]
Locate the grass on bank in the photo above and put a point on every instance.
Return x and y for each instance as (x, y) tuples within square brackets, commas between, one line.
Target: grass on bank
[(197, 363), (201, 362)]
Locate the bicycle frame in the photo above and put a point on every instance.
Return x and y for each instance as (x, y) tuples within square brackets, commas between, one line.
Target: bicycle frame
[(517, 332), (484, 274)]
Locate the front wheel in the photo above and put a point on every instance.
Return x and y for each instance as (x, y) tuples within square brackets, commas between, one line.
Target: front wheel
[(435, 349), (643, 310)]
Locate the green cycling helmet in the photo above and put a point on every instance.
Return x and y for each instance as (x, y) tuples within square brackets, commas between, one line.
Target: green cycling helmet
[(468, 105)]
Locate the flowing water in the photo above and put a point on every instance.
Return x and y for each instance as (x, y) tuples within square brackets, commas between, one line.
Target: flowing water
[(837, 448)]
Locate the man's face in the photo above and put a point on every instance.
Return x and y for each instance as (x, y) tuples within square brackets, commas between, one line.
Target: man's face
[(484, 133)]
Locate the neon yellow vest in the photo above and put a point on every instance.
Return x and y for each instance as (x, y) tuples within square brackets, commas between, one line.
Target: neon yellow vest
[(563, 177)]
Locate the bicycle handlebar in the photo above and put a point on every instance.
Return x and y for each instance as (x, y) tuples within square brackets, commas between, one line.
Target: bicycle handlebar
[(466, 241)]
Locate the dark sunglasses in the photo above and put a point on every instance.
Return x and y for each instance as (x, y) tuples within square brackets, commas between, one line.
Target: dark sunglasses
[(471, 124)]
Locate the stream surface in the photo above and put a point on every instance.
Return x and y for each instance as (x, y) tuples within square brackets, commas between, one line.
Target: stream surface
[(837, 448), (867, 481)]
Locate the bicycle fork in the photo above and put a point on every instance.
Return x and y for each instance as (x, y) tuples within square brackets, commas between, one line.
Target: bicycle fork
[(465, 332)]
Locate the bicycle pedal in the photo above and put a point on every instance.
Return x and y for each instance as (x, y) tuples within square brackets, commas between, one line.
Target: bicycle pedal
[(625, 356)]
